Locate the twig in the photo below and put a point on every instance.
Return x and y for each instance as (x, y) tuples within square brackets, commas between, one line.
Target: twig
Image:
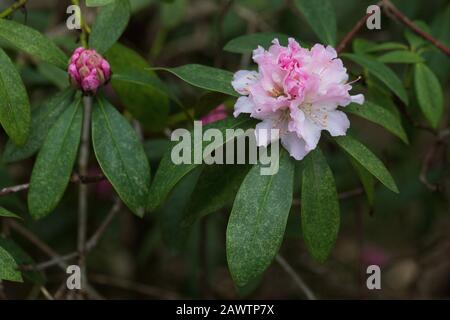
[(296, 277), (350, 193), (16, 5), (132, 286), (74, 179), (46, 294), (389, 7), (83, 162), (85, 30)]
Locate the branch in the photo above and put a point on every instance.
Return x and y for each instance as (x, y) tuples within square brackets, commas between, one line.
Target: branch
[(296, 277), (5, 13), (389, 7), (76, 178)]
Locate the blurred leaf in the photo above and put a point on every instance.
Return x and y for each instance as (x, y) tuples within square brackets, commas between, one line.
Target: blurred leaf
[(429, 93), (109, 25), (8, 214), (172, 13), (54, 163), (14, 105), (258, 220), (32, 42), (12, 256), (98, 3), (120, 155), (54, 75), (155, 149), (319, 206), (387, 46), (204, 77), (208, 101), (169, 174), (400, 57), (415, 41), (372, 112), (249, 42), (42, 118), (216, 188), (382, 72), (367, 159), (320, 15)]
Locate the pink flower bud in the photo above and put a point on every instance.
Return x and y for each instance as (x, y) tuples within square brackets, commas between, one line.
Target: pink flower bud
[(219, 113), (88, 70)]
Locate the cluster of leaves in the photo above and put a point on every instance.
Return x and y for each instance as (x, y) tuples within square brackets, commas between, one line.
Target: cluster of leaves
[(260, 204)]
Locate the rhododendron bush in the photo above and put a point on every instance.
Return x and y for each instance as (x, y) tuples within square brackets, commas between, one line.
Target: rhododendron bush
[(355, 120)]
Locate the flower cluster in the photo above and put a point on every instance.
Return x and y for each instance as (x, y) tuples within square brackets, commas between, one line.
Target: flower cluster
[(88, 70), (296, 91)]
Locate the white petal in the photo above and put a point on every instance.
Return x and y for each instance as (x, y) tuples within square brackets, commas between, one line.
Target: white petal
[(359, 98), (294, 145), (243, 105), (242, 80), (337, 123), (310, 132), (262, 133)]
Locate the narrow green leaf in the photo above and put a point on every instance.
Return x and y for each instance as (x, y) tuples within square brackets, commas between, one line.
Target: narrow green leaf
[(32, 42), (382, 73), (169, 174), (120, 155), (42, 118), (98, 3), (14, 105), (8, 214), (366, 179), (249, 42), (415, 41), (216, 188), (379, 115), (400, 57), (109, 25), (367, 159), (55, 161), (320, 15), (11, 257), (429, 93), (258, 220), (204, 77), (319, 206)]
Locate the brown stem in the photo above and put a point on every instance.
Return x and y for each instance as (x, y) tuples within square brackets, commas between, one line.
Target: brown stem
[(389, 7)]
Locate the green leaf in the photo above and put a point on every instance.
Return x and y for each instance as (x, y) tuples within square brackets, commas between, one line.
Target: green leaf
[(169, 174), (204, 77), (429, 94), (120, 155), (415, 41), (14, 105), (382, 73), (367, 159), (366, 179), (98, 3), (109, 25), (172, 14), (400, 57), (387, 46), (379, 115), (319, 206), (8, 214), (55, 161), (11, 257), (321, 17), (249, 42), (42, 118), (258, 220), (216, 188), (32, 42)]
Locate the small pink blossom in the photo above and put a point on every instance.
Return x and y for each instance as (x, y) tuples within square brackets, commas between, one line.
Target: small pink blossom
[(219, 113), (88, 70), (297, 91)]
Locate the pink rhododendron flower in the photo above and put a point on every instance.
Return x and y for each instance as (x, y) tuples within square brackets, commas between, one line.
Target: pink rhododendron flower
[(218, 113), (297, 91), (88, 70)]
